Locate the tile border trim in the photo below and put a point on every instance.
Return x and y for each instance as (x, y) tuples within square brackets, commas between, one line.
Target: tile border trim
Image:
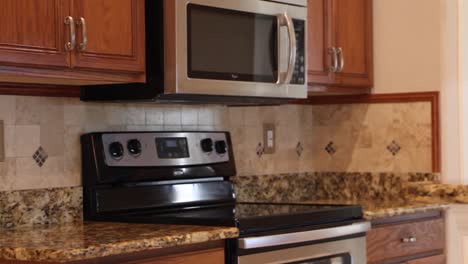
[(431, 97)]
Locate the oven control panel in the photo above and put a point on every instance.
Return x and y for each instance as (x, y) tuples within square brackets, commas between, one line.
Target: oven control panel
[(156, 149)]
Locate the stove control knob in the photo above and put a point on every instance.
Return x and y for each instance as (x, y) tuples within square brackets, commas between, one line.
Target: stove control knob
[(207, 145), (116, 150), (134, 147), (221, 147)]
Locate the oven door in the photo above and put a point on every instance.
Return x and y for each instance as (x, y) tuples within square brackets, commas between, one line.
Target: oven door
[(335, 245), (248, 48), (348, 251)]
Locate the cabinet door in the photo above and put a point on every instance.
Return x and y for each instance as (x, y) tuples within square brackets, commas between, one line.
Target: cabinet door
[(115, 32), (33, 33), (319, 42), (352, 27), (439, 259)]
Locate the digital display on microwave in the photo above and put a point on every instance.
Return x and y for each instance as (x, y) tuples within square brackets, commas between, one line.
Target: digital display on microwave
[(172, 148)]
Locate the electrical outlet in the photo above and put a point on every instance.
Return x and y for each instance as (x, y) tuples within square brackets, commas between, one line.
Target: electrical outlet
[(2, 141), (269, 136)]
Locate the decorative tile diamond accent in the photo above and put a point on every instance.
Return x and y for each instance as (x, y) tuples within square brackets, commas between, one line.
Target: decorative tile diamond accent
[(299, 149), (331, 148), (260, 150), (394, 148), (40, 156)]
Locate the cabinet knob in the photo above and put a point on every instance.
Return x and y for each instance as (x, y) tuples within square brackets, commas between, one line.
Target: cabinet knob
[(340, 54), (410, 239), (84, 43), (69, 46), (334, 53)]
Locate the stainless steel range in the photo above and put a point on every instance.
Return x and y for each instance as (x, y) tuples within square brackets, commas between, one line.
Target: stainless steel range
[(183, 178)]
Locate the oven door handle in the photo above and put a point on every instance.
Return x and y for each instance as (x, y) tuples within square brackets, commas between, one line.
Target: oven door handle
[(307, 236), (285, 21)]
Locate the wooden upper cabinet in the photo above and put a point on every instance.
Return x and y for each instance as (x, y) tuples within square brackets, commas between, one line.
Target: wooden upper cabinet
[(340, 44), (115, 32), (106, 41), (33, 33)]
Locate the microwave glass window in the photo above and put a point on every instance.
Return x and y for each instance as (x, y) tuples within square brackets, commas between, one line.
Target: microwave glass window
[(231, 45)]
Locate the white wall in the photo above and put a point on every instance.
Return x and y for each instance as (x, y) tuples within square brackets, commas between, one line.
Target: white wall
[(417, 48)]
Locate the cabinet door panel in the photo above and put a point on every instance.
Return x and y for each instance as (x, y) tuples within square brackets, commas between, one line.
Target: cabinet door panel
[(33, 32), (439, 259), (353, 33), (319, 38), (115, 32)]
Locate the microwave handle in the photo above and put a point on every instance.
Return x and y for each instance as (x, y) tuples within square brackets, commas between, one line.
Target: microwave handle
[(285, 21)]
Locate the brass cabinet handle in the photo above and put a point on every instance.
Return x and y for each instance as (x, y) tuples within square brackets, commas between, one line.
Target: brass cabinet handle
[(410, 239), (69, 46), (342, 59), (333, 52), (82, 23)]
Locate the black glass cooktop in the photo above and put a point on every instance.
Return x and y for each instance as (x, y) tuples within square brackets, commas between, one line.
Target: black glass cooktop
[(253, 217)]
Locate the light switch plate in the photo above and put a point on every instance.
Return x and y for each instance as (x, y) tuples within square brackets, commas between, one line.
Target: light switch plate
[(269, 138), (2, 141)]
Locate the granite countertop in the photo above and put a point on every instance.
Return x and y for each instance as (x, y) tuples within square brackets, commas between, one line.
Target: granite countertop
[(89, 240), (381, 210)]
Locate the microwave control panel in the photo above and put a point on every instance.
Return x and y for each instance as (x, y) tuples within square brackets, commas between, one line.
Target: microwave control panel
[(300, 67)]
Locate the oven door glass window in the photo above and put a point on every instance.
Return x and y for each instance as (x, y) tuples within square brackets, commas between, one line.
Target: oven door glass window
[(231, 45), (336, 259)]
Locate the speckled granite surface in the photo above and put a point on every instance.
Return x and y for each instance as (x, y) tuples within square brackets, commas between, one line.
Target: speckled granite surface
[(373, 211), (382, 195), (92, 240), (39, 207), (377, 187), (439, 193)]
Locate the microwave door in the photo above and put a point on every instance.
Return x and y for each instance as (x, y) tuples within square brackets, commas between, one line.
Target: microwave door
[(287, 48), (237, 48)]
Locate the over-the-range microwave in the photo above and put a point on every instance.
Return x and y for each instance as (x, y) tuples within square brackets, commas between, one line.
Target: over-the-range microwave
[(219, 51)]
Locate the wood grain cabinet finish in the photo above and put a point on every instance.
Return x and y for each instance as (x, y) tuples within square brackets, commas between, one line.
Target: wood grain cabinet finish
[(106, 41), (403, 240), (115, 40), (212, 256), (340, 46), (32, 33), (438, 259)]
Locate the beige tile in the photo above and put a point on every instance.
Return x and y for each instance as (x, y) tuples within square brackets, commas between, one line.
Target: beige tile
[(190, 115), (28, 175), (236, 116), (221, 116), (7, 174), (268, 114), (413, 134), (172, 116), (52, 126), (122, 114), (27, 140), (331, 115), (10, 141), (206, 116), (371, 160), (379, 115), (144, 128), (52, 139), (53, 171), (28, 110), (252, 116), (172, 127), (413, 160), (417, 112), (154, 115), (72, 155), (8, 109)]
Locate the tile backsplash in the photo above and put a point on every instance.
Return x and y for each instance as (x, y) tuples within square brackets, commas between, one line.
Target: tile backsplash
[(43, 150)]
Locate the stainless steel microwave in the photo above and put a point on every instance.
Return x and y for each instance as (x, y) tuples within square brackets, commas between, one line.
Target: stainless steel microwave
[(221, 51)]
